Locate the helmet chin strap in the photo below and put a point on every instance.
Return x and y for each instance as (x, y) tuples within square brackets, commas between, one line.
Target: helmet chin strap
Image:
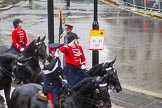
[(76, 44), (72, 43)]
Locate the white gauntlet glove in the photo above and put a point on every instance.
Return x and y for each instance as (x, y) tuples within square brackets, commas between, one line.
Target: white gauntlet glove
[(22, 49), (83, 67), (65, 81), (57, 53)]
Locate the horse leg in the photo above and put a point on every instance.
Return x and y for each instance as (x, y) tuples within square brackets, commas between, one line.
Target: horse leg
[(17, 77), (2, 104), (1, 99), (107, 102), (7, 95)]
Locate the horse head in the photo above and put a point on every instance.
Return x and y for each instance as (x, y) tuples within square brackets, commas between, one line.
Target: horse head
[(37, 49), (6, 74), (111, 75), (28, 69), (92, 90), (6, 60)]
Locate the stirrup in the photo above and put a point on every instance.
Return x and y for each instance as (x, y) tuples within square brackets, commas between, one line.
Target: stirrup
[(40, 95)]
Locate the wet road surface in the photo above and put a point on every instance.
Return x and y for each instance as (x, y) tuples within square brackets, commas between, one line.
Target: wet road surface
[(135, 41)]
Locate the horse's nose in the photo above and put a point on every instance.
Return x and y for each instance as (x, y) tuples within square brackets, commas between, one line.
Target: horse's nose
[(118, 89)]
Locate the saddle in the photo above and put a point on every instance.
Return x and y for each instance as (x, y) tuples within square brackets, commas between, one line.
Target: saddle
[(41, 96)]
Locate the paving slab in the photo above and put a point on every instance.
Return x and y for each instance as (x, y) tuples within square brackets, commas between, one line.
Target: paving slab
[(132, 99)]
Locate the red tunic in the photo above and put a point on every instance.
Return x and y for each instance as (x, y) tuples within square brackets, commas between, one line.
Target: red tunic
[(73, 55), (19, 38)]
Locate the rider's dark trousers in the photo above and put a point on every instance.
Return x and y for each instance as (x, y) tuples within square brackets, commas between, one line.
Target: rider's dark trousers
[(73, 74), (52, 92), (12, 48)]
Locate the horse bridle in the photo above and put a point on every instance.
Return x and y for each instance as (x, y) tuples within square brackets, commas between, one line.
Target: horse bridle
[(97, 103), (110, 86), (36, 47), (6, 71)]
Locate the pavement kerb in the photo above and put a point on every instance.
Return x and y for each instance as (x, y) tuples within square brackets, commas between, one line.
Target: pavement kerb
[(6, 7), (12, 5), (146, 92)]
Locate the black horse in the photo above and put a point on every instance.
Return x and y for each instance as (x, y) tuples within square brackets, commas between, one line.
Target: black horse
[(109, 75), (107, 68), (30, 71), (8, 60), (86, 94), (6, 74), (3, 46)]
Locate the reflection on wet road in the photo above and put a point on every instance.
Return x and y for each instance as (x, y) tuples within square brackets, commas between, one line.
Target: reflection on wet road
[(136, 42)]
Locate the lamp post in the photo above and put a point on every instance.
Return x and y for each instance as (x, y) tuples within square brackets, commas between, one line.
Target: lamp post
[(50, 21), (159, 6), (95, 26), (145, 4), (134, 5)]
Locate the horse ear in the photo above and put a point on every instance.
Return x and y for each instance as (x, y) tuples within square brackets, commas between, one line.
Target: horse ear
[(42, 40), (31, 43), (113, 61), (38, 40)]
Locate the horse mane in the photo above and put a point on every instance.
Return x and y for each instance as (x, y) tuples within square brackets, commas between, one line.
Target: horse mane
[(29, 49), (8, 56), (99, 69), (95, 70), (83, 83), (96, 67)]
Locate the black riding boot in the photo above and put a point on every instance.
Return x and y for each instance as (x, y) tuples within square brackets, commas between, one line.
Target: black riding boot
[(17, 75), (17, 79)]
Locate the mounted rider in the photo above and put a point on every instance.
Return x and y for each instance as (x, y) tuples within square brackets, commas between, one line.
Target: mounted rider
[(19, 38), (19, 42), (52, 70), (75, 60), (68, 29)]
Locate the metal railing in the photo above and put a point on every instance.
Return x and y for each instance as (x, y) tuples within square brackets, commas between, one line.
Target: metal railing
[(155, 5)]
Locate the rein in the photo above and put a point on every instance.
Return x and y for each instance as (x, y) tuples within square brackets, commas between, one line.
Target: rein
[(34, 57), (89, 100), (6, 71)]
